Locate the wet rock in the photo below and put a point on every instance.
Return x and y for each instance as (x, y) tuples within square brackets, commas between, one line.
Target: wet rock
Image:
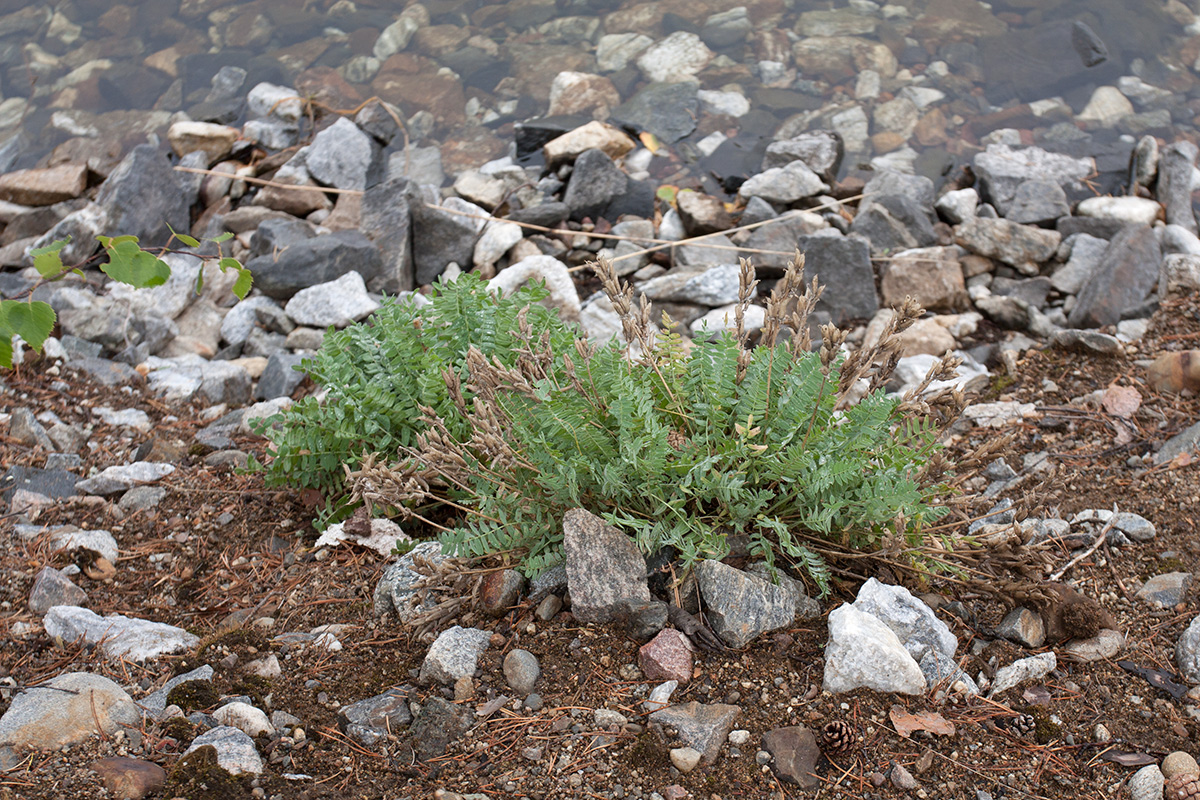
[(742, 606), (52, 588), (582, 93), (372, 719), (1128, 273), (1034, 62), (1022, 246), (118, 636), (1167, 590), (1022, 671), (667, 657), (913, 622), (726, 28), (453, 655), (667, 110), (43, 187), (521, 671), (863, 652), (615, 51), (795, 754), (701, 727), (604, 567), (119, 479), (312, 261), (1023, 626), (1106, 108), (436, 726), (235, 751), (66, 710), (214, 141), (1002, 169), (129, 778)]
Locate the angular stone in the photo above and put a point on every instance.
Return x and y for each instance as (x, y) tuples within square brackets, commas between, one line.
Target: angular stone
[(593, 136), (1022, 671), (121, 478), (842, 263), (236, 753), (1174, 190), (395, 589), (943, 670), (444, 235), (675, 58), (785, 185), (604, 567), (343, 156), (702, 213), (932, 276), (795, 755), (1126, 276), (142, 196), (214, 141), (667, 657), (1187, 652), (453, 655), (66, 710), (1167, 590), (372, 719), (741, 606), (667, 110), (1022, 246), (892, 222), (595, 182), (69, 539), (386, 220), (1001, 170), (309, 262), (862, 652), (958, 206), (43, 187), (1038, 202), (913, 622), (783, 234), (1023, 626), (714, 286), (1147, 783), (820, 150), (436, 726), (52, 588), (701, 727), (118, 636), (1087, 254), (338, 303)]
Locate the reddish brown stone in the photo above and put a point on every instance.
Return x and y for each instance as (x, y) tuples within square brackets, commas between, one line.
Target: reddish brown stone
[(667, 657), (326, 87), (129, 778), (44, 187)]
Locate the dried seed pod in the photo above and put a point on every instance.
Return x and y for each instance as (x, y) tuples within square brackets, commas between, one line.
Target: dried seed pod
[(1184, 786), (1174, 372), (837, 738)]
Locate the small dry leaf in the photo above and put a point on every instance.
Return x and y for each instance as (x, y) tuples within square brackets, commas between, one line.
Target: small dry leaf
[(1122, 401), (905, 723), (1036, 696), (1129, 759), (101, 569)]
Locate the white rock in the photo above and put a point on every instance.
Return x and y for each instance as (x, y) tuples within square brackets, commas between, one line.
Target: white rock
[(497, 239), (125, 418), (958, 206), (1134, 210), (244, 717), (236, 753), (1022, 671), (118, 636), (119, 479), (383, 537), (733, 104), (784, 184), (338, 303), (70, 538), (660, 696), (453, 655), (913, 622), (685, 759), (550, 271), (725, 319), (1106, 108), (269, 100), (1147, 783), (862, 652), (676, 58), (997, 415), (615, 50)]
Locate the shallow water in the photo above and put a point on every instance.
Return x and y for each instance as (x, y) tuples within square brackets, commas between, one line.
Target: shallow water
[(90, 77)]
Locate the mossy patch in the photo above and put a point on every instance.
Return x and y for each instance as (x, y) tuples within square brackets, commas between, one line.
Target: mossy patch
[(193, 696), (198, 776)]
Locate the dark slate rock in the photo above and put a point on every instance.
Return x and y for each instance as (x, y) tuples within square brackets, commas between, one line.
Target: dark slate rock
[(375, 120), (667, 110), (595, 182), (53, 483), (438, 724), (438, 238), (604, 567), (894, 222), (311, 261), (795, 752), (1032, 291), (1184, 442), (108, 373), (552, 581), (1127, 274), (735, 161), (917, 188), (1088, 342), (142, 196), (843, 265), (741, 606), (546, 214), (1174, 191), (279, 379), (532, 135), (276, 235), (1033, 63), (642, 620), (52, 588), (387, 221), (1100, 227), (636, 201), (700, 727), (821, 150), (372, 719), (1038, 202), (784, 236)]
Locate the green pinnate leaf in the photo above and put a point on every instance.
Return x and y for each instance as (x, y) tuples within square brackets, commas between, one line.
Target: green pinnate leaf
[(47, 260), (33, 322), (129, 263)]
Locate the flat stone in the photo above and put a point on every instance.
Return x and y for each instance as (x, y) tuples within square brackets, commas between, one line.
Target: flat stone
[(1103, 646), (66, 710), (741, 606), (711, 286), (129, 778), (214, 141), (339, 303), (315, 260), (701, 727), (932, 276), (604, 567), (1167, 590), (862, 652), (453, 655), (795, 754), (372, 719), (1022, 671), (52, 588), (593, 136), (1002, 169), (667, 110), (438, 723), (1129, 210), (236, 753), (1022, 246), (121, 478), (785, 185), (1127, 275), (118, 636), (43, 187), (1038, 202)]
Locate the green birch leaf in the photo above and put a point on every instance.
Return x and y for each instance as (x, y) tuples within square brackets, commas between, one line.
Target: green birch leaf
[(33, 322), (241, 287), (224, 237), (46, 260), (6, 351), (129, 263)]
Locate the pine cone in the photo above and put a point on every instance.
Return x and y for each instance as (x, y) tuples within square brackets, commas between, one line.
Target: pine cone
[(1020, 725), (1184, 786), (837, 738)]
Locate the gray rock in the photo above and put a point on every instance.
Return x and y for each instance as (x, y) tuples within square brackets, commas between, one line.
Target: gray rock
[(373, 719), (243, 317), (863, 652), (440, 237), (317, 260), (958, 206), (272, 236), (25, 428), (893, 222), (552, 581), (787, 184), (1087, 253), (1174, 191), (387, 221), (105, 372), (700, 727), (270, 100), (68, 538), (820, 150), (741, 606), (784, 235), (714, 286), (1184, 442), (916, 188), (1000, 514), (156, 702), (1127, 275), (125, 418), (454, 654), (236, 753), (118, 479), (118, 636), (704, 253), (913, 622), (795, 753), (1166, 590), (595, 182), (245, 717), (1023, 626), (336, 303), (280, 378), (1002, 169), (1135, 526), (1102, 647), (940, 669), (142, 196), (140, 498), (1147, 783), (342, 156), (52, 588), (396, 586), (667, 110), (223, 382), (1022, 246), (1022, 671), (1187, 652), (66, 710), (726, 28), (842, 263), (604, 567), (1037, 202), (1087, 342), (436, 726), (521, 670), (53, 483)]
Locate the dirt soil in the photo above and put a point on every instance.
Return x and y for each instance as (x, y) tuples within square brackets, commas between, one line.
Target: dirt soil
[(222, 551)]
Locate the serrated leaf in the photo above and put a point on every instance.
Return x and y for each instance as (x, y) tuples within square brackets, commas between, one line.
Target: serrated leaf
[(46, 260), (129, 263), (241, 287), (224, 237), (33, 322)]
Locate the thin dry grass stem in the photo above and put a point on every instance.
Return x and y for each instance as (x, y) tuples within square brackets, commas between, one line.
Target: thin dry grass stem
[(635, 323)]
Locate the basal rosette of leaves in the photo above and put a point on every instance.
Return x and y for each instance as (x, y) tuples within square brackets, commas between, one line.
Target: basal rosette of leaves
[(680, 446)]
